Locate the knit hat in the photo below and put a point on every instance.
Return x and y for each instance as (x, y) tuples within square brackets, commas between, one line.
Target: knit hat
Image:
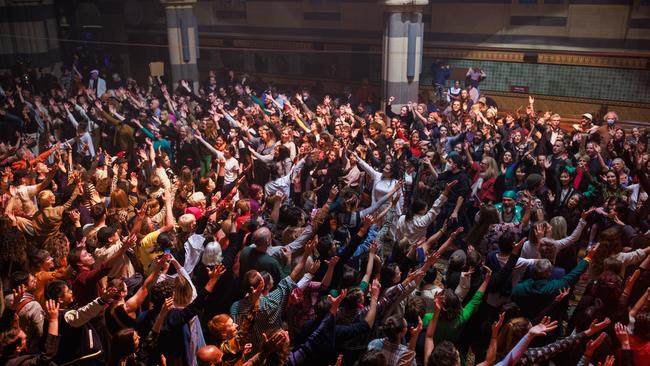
[(533, 180), (212, 254)]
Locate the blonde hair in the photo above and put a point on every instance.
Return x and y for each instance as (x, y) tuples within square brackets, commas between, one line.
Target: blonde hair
[(183, 291), (44, 198), (558, 224), (511, 333), (491, 170), (243, 206), (185, 222), (196, 198)]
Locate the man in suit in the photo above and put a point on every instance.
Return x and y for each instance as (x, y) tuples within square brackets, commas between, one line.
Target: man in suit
[(96, 83)]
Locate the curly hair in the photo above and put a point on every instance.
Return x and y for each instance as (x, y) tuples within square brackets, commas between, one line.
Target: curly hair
[(161, 291), (58, 246)]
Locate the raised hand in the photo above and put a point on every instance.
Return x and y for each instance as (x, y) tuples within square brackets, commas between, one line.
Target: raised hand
[(215, 273), (367, 220), (52, 309), (18, 293), (468, 273), (545, 326), (448, 187), (433, 257), (375, 289), (516, 249), (629, 283), (622, 335), (488, 271), (131, 240), (334, 192), (585, 214), (313, 268), (336, 301), (496, 326), (372, 249), (339, 360), (439, 300), (609, 361), (593, 344), (563, 294), (415, 331), (270, 345), (332, 262), (108, 294), (256, 292), (597, 327)]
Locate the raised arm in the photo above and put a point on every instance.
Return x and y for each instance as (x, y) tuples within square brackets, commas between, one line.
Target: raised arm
[(214, 151), (431, 328), (135, 301), (491, 355), (367, 168)]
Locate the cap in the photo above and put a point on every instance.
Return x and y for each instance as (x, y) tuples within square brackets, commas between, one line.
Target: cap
[(482, 100), (588, 116), (510, 194), (95, 71)]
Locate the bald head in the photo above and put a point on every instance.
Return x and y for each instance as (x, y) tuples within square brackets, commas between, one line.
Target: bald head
[(262, 238), (209, 356)]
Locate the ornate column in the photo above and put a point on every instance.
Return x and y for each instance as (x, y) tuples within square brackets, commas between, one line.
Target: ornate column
[(182, 36), (402, 52)]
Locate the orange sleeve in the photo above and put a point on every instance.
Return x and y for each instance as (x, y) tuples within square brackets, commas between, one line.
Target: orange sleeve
[(42, 156), (20, 164)]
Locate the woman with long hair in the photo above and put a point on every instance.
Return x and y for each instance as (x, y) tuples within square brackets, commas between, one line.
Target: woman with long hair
[(483, 187)]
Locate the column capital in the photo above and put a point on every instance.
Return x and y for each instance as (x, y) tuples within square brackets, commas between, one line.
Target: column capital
[(168, 3), (405, 5)]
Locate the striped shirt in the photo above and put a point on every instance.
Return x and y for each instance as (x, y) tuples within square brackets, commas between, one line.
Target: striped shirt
[(269, 316)]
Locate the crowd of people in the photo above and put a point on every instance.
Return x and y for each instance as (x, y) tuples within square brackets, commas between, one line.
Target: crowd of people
[(243, 223)]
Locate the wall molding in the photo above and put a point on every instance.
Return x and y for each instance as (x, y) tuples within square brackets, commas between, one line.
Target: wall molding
[(466, 54), (592, 61)]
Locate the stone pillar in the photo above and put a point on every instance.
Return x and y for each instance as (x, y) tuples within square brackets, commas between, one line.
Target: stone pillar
[(401, 71), (28, 32), (182, 36)]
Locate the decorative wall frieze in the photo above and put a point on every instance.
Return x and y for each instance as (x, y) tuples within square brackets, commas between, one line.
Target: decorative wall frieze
[(593, 61)]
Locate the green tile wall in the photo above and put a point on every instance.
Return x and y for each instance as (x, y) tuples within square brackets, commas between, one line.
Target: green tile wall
[(559, 80)]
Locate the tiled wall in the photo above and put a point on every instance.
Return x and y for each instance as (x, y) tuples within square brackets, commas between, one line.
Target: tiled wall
[(559, 80)]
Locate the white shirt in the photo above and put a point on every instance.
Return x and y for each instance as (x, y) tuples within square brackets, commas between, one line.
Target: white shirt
[(231, 168)]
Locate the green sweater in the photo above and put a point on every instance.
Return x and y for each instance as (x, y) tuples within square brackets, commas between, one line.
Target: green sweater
[(533, 296), (449, 330), (531, 287)]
